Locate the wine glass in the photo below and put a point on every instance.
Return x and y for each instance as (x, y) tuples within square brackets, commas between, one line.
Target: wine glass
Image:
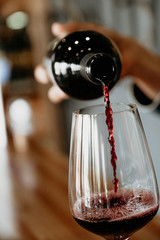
[(95, 203)]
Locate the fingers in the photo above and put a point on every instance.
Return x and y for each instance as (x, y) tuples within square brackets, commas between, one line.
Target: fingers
[(41, 74), (58, 28), (56, 95)]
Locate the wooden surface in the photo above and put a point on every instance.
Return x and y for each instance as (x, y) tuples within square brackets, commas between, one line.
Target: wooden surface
[(36, 204)]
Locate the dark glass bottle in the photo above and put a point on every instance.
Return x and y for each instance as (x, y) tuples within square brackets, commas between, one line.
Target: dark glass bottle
[(83, 62)]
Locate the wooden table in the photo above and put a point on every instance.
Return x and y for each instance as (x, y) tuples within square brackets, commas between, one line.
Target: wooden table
[(36, 203)]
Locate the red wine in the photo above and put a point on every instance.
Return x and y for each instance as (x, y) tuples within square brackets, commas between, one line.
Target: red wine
[(116, 215), (109, 122)]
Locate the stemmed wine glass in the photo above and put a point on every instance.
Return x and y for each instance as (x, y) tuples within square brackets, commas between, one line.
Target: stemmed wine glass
[(94, 201)]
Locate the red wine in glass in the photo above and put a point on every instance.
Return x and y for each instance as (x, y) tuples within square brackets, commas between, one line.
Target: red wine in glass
[(113, 210), (117, 215)]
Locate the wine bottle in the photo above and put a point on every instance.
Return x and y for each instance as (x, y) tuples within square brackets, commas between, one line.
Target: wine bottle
[(83, 62)]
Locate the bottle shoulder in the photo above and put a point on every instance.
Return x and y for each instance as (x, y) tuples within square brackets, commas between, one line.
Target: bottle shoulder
[(78, 44)]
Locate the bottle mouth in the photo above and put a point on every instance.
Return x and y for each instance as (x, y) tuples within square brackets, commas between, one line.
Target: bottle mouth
[(101, 69)]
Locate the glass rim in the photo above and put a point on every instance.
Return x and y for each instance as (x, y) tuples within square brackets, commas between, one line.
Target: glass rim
[(126, 108)]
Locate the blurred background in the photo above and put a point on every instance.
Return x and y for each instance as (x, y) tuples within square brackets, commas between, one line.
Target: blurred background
[(25, 31)]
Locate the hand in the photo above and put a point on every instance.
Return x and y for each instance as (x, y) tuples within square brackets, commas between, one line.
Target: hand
[(137, 61), (55, 94), (61, 30), (126, 45)]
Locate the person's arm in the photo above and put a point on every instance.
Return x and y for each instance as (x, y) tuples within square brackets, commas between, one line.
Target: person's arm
[(146, 70)]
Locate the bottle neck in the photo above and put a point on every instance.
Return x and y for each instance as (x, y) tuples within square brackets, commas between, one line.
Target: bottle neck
[(99, 68)]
